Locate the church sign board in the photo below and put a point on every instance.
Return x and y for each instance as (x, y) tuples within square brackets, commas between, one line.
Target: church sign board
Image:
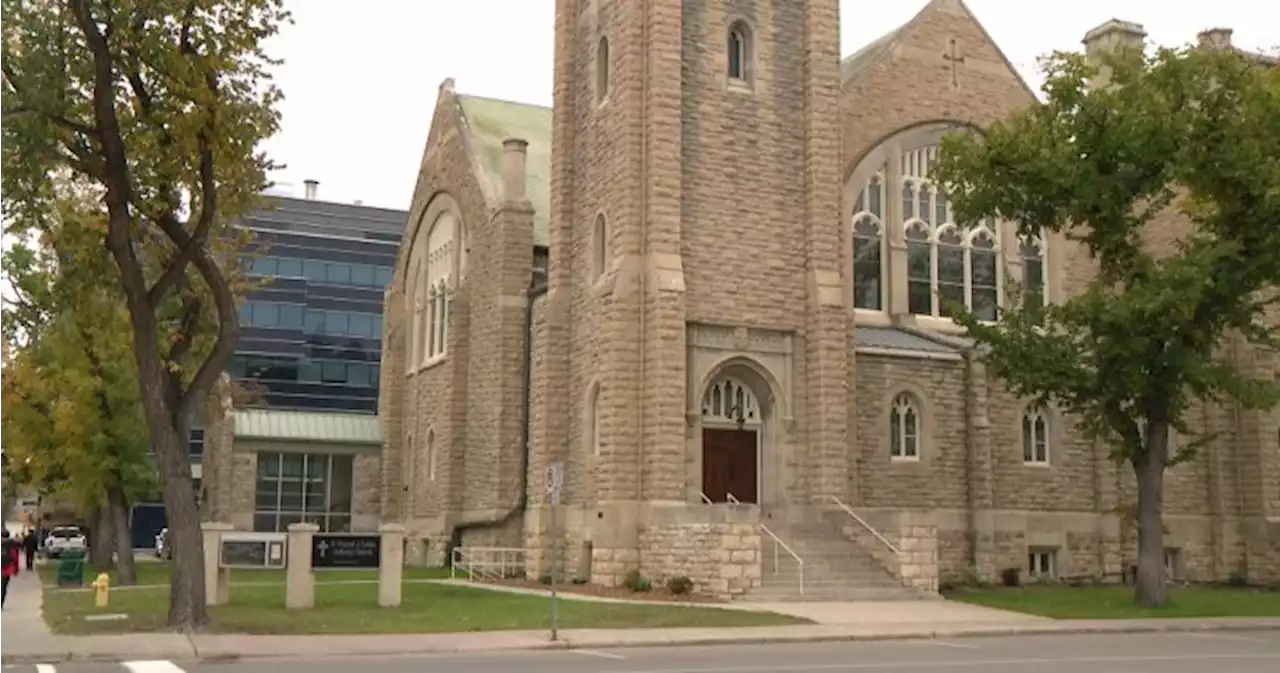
[(252, 550), (332, 550)]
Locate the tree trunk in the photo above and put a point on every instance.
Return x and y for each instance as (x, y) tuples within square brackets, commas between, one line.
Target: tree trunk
[(126, 573), (1149, 467), (100, 539), (187, 610)]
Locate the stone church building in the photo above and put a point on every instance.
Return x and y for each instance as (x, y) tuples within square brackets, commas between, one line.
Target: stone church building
[(707, 283)]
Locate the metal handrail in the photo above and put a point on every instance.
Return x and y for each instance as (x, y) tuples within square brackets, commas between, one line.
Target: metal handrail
[(848, 510), (502, 559), (777, 542), (705, 498), (732, 498)]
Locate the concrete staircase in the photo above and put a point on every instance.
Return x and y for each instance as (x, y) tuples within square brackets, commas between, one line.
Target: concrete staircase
[(835, 568)]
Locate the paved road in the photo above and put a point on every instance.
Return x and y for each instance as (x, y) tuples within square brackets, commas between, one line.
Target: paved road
[(1250, 652)]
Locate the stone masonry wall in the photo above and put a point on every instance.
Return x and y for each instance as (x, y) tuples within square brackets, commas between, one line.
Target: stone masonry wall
[(913, 534), (722, 558)]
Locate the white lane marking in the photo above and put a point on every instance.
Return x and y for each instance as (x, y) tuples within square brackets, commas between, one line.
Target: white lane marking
[(1230, 636), (595, 653), (152, 667), (43, 668), (958, 646), (976, 663)]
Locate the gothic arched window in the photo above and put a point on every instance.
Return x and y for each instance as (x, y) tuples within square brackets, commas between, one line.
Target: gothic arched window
[(868, 245), (739, 51), (904, 428), (946, 264)]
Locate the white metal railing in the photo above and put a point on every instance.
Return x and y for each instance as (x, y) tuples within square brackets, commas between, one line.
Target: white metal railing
[(732, 498), (487, 563), (854, 515), (777, 542), (706, 498)]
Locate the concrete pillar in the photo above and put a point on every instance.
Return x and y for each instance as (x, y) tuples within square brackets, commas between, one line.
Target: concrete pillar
[(217, 580), (299, 582), (390, 564)]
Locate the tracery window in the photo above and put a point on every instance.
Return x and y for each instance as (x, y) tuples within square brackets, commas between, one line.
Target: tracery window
[(1034, 271), (728, 399), (1035, 436), (868, 245), (946, 264), (904, 428), (439, 265)]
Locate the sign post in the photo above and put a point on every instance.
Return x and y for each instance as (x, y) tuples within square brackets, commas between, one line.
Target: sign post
[(555, 482)]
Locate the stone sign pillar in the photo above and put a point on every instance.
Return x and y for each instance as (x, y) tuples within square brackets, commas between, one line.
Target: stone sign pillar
[(217, 580), (299, 581), (390, 564)]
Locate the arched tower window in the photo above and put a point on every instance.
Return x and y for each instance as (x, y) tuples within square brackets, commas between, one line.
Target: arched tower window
[(946, 264), (1035, 272), (599, 247), (430, 456), (728, 399), (868, 245), (739, 51), (602, 69), (593, 420)]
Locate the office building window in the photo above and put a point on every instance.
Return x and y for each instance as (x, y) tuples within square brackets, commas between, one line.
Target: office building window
[(351, 373), (303, 488), (321, 272), (315, 321)]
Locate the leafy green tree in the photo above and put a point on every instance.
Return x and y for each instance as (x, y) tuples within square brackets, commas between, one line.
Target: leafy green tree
[(156, 107), (1128, 356), (72, 409)]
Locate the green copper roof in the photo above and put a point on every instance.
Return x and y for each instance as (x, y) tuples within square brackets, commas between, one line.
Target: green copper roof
[(307, 426), (492, 121)]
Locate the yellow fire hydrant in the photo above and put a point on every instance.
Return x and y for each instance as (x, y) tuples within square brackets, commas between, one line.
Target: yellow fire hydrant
[(101, 590)]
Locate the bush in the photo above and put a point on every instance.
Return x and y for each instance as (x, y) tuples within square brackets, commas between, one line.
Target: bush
[(1011, 577), (636, 583), (680, 586)]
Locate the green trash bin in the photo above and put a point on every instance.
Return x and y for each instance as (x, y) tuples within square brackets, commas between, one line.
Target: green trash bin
[(71, 569)]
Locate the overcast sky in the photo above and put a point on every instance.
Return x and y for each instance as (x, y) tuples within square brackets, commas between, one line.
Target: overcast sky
[(360, 84)]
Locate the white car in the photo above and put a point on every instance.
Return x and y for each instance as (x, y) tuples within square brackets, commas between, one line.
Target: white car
[(63, 539)]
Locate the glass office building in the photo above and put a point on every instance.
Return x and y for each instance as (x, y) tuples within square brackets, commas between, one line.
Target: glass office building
[(311, 333)]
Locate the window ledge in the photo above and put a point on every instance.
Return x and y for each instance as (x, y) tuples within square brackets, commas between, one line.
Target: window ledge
[(905, 459), (432, 361), (871, 318), (738, 85), (1036, 465)]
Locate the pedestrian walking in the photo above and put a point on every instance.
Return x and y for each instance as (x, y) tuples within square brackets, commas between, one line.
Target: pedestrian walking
[(30, 544), (10, 568)]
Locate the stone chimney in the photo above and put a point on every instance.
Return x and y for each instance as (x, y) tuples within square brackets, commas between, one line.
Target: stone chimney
[(514, 152), (1109, 37), (311, 187), (1215, 38)]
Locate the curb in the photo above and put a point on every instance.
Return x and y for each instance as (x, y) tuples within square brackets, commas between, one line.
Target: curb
[(799, 638), (926, 635)]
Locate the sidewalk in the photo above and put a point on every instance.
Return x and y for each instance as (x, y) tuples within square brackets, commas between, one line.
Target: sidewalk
[(27, 640)]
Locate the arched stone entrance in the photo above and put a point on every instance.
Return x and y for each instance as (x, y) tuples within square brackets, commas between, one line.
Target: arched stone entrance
[(732, 440)]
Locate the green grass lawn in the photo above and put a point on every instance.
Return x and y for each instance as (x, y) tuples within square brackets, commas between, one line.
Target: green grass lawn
[(153, 573), (353, 609), (1116, 602)]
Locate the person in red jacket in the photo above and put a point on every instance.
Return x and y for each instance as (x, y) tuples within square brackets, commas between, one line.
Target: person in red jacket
[(11, 563)]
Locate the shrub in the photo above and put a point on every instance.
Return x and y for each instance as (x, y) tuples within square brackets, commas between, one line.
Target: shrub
[(680, 586), (635, 582)]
